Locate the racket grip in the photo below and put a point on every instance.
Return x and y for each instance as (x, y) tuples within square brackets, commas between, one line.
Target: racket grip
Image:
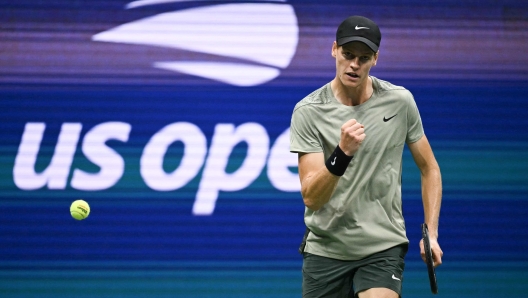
[(303, 243)]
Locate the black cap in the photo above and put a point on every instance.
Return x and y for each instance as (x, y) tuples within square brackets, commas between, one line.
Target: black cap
[(358, 28)]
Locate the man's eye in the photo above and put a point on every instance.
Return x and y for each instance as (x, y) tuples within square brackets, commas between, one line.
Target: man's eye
[(365, 58)]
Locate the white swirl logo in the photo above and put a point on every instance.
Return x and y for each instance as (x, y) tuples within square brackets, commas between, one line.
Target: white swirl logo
[(261, 37)]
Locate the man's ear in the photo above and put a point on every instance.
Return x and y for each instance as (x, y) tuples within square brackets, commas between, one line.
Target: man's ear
[(376, 57), (334, 49)]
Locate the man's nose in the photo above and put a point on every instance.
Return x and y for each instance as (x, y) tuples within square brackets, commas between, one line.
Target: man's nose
[(354, 63)]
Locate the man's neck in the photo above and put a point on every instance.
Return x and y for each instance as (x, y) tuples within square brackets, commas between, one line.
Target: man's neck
[(352, 96)]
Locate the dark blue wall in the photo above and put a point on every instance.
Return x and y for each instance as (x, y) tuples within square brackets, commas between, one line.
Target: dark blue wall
[(464, 61)]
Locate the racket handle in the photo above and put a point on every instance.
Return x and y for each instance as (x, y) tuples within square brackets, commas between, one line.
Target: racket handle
[(303, 243)]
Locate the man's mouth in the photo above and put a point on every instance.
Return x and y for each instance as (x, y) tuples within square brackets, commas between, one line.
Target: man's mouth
[(352, 75)]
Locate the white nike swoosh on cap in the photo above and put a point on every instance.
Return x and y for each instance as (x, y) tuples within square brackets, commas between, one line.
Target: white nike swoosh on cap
[(394, 277), (358, 28)]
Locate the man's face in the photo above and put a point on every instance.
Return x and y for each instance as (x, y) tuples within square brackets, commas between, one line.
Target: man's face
[(353, 62)]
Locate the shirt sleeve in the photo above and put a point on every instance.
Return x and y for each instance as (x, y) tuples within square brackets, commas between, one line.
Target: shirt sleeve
[(415, 129), (303, 135)]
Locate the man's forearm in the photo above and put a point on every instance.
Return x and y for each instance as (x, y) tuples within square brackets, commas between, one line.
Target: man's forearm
[(432, 198), (317, 189)]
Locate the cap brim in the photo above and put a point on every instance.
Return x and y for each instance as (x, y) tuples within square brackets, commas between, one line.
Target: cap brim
[(369, 43)]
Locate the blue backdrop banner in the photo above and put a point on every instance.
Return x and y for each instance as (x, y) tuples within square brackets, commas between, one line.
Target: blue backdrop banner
[(171, 119)]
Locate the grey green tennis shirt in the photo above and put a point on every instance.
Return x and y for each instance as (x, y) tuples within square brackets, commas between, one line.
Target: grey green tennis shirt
[(364, 214)]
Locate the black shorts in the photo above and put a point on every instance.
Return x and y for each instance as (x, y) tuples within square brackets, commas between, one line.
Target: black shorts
[(326, 277)]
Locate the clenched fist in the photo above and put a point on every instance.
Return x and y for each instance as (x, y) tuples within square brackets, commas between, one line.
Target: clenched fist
[(352, 135)]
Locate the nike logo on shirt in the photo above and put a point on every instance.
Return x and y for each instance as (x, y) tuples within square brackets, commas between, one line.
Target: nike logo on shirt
[(387, 119), (394, 277)]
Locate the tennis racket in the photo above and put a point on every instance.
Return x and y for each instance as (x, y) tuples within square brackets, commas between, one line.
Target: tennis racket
[(429, 259)]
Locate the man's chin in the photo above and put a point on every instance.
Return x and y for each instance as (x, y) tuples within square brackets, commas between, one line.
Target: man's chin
[(350, 82)]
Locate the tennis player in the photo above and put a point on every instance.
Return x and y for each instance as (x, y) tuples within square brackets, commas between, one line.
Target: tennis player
[(349, 136)]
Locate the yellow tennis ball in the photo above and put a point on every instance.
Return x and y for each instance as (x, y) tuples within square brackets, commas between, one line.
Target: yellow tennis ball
[(79, 210)]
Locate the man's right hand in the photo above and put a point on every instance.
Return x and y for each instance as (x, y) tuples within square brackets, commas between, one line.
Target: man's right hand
[(352, 135)]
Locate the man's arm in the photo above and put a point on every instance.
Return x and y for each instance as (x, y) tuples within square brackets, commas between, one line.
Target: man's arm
[(431, 193), (317, 182)]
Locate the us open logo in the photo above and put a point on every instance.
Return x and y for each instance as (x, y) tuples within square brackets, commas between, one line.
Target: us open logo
[(260, 38)]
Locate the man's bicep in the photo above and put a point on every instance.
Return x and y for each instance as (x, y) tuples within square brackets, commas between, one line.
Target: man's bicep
[(309, 163), (422, 153)]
